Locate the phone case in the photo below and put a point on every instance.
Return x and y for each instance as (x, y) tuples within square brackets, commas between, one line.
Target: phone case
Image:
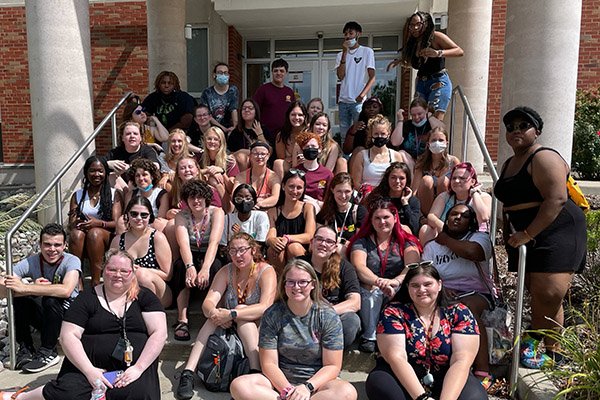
[(112, 376)]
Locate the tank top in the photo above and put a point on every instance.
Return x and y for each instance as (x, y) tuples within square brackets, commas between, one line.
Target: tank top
[(154, 196), (519, 188), (294, 226), (201, 235), (372, 172), (86, 207), (263, 191), (431, 66), (231, 298), (147, 261)]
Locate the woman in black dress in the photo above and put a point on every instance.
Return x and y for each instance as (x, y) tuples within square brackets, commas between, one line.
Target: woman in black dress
[(93, 326)]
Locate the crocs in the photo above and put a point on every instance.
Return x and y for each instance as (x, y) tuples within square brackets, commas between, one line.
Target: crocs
[(530, 356)]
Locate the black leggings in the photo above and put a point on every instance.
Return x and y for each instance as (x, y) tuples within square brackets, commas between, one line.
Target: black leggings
[(382, 384)]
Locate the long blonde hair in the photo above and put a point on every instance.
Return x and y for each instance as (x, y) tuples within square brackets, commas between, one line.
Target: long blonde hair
[(175, 194), (377, 120), (222, 160), (185, 150)]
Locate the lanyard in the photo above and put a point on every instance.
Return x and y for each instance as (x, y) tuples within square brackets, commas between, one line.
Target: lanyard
[(428, 345), (383, 259), (122, 320), (340, 232), (199, 236), (55, 278)]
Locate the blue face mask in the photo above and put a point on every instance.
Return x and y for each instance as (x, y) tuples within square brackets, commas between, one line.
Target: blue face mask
[(222, 79), (420, 123), (351, 42)]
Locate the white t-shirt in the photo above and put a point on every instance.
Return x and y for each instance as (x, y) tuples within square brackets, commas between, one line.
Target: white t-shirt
[(357, 63), (459, 273), (256, 226)]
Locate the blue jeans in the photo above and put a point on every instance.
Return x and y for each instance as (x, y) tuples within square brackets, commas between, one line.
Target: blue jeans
[(371, 302), (437, 91), (348, 113)]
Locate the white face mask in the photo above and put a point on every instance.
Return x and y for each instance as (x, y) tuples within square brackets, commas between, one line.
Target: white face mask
[(437, 147)]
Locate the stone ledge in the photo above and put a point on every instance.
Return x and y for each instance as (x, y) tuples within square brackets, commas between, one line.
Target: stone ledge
[(535, 385)]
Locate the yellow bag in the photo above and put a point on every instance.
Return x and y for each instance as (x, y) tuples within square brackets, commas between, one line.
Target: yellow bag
[(577, 195)]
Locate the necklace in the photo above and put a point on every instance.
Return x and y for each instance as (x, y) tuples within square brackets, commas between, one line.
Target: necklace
[(199, 234), (428, 378), (242, 293)]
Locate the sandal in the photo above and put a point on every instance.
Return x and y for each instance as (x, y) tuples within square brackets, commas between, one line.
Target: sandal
[(14, 396), (184, 331), (487, 380)]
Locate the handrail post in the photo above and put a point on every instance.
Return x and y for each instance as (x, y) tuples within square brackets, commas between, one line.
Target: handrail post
[(452, 118), (465, 134), (113, 126), (58, 198), (514, 370)]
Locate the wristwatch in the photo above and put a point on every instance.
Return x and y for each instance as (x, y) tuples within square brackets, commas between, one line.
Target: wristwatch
[(310, 387), (233, 314)]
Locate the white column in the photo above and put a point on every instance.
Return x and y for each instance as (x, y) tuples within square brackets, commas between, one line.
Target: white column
[(540, 68), (59, 50), (166, 39), (469, 26)]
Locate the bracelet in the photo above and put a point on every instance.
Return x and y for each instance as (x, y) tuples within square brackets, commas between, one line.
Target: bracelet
[(440, 53), (287, 237), (188, 266), (528, 235)]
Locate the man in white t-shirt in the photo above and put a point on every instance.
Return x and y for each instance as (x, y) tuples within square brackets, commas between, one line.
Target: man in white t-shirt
[(355, 68)]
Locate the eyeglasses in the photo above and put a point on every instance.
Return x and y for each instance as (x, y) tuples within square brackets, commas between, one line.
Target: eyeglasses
[(221, 73), (320, 239), (238, 252), (142, 215), (301, 283), (298, 172), (419, 264), (247, 108), (202, 115), (523, 126), (115, 272), (260, 155), (139, 111), (240, 199)]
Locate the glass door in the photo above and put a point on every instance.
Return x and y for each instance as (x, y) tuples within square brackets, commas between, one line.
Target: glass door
[(304, 78)]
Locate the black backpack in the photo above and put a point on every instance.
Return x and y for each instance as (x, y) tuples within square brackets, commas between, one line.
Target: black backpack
[(222, 360)]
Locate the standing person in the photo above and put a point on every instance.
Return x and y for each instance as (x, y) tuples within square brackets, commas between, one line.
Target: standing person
[(54, 283), (427, 344), (339, 283), (532, 188), (426, 50), (222, 99), (118, 310), (274, 98), (169, 103), (355, 68), (300, 344)]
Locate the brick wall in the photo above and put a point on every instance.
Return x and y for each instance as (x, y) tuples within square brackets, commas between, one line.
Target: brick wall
[(235, 47), (589, 47), (119, 64)]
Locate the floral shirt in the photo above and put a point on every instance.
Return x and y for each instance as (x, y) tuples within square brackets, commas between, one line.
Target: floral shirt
[(402, 319)]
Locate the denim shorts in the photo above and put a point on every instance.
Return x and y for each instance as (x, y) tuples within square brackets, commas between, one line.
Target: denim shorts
[(437, 91)]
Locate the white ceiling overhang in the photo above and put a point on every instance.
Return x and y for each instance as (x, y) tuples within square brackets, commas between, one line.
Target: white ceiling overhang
[(287, 18)]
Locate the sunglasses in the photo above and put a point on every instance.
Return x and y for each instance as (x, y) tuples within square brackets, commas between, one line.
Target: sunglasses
[(419, 264), (523, 126), (139, 111), (142, 215), (298, 172)]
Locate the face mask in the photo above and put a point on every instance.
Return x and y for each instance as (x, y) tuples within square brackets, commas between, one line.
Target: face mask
[(245, 206), (222, 79), (437, 147), (420, 123), (310, 153), (380, 141), (351, 42)]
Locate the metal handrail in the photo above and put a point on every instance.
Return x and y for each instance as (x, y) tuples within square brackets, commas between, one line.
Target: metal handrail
[(54, 184), (468, 115)]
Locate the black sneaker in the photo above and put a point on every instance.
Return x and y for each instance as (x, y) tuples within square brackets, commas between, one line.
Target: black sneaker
[(44, 358), (367, 346), (185, 389), (24, 355)]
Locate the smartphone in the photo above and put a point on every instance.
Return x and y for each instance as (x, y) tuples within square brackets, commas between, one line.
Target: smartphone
[(81, 216), (112, 376)]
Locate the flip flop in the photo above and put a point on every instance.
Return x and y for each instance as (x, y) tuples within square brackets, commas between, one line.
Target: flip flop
[(184, 328), (18, 390), (486, 379)]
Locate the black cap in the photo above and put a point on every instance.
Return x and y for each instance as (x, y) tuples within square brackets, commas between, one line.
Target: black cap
[(258, 143), (526, 113)]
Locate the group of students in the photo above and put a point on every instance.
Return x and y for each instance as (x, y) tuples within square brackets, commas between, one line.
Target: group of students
[(305, 251)]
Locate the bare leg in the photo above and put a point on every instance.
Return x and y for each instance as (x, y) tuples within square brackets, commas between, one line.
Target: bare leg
[(253, 387), (477, 305), (341, 165), (425, 194), (169, 232), (207, 329), (336, 389), (295, 250), (439, 115), (97, 242), (149, 279), (35, 394), (183, 301), (248, 332), (242, 157), (276, 259), (279, 167)]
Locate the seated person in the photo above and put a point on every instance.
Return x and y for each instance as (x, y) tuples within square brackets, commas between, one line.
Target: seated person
[(53, 286), (461, 254), (264, 181), (356, 138), (177, 148), (93, 216), (337, 277), (427, 345), (248, 129), (245, 218), (238, 296), (93, 326), (153, 131), (317, 176), (217, 167), (295, 122), (169, 103), (301, 344), (149, 246)]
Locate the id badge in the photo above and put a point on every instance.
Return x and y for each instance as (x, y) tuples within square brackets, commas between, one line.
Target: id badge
[(119, 351)]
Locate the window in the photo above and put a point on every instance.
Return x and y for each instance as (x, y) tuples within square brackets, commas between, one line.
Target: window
[(198, 69)]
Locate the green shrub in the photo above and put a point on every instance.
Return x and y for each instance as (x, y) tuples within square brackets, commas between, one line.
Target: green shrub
[(586, 142)]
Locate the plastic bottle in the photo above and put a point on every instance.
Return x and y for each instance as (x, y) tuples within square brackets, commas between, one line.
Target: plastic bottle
[(99, 391)]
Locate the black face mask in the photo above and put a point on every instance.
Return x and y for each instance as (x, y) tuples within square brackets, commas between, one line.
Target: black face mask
[(244, 206), (380, 141), (310, 153)]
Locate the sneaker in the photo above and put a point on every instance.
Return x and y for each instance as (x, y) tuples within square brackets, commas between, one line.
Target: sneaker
[(44, 358), (531, 357), (24, 355), (367, 346), (185, 389)]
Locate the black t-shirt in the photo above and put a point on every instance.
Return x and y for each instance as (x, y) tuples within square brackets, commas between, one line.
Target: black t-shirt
[(238, 140), (349, 282), (410, 213), (119, 153), (169, 109), (350, 226)]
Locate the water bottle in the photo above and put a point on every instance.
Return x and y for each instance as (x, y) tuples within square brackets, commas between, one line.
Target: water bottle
[(99, 391)]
